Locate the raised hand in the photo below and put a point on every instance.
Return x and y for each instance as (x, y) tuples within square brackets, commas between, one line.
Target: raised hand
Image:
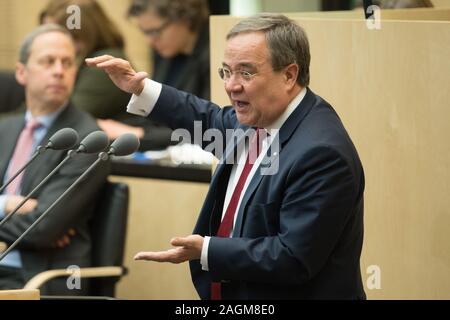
[(188, 248), (120, 72)]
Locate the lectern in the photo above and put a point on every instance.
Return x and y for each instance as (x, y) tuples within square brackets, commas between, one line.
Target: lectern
[(22, 294)]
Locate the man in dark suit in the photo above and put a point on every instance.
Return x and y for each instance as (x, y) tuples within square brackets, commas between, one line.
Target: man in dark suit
[(47, 70), (292, 232)]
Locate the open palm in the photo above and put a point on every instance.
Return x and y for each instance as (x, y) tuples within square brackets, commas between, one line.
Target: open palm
[(120, 72)]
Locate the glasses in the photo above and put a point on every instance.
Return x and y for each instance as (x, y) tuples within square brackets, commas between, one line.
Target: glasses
[(244, 76), (156, 32)]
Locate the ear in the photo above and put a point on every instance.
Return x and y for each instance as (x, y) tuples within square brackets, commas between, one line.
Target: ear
[(291, 74), (21, 73)]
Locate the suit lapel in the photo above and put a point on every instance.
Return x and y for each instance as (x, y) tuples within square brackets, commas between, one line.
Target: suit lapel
[(219, 183), (256, 179), (297, 117)]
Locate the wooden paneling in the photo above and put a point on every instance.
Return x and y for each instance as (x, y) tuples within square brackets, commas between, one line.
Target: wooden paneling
[(440, 3), (17, 18), (159, 210)]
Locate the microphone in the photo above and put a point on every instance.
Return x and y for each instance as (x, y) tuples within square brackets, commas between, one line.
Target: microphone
[(61, 140), (122, 146), (93, 143)]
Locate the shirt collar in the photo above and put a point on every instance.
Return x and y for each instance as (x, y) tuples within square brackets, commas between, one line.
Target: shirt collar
[(47, 119), (277, 124)]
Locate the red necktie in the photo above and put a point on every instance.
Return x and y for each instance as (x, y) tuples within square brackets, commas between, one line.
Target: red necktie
[(226, 226), (21, 154)]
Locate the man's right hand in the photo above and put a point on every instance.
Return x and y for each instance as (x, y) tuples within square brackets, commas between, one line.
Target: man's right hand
[(13, 201), (120, 72)]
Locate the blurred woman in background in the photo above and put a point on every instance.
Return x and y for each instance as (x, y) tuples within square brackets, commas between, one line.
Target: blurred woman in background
[(178, 33), (98, 35)]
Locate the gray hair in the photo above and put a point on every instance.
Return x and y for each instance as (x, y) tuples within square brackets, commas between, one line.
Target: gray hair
[(286, 40), (25, 48)]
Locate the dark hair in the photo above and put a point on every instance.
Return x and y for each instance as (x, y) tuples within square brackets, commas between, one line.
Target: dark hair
[(194, 12), (286, 40)]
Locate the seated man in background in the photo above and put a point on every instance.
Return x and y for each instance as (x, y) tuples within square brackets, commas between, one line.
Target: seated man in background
[(47, 69)]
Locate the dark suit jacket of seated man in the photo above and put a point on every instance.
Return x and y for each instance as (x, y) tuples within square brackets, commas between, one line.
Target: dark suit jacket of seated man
[(47, 70), (297, 233)]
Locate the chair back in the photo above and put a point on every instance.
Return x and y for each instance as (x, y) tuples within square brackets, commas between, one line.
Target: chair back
[(108, 233)]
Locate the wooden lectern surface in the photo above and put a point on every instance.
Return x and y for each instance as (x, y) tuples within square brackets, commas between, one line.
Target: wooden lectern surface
[(20, 294)]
